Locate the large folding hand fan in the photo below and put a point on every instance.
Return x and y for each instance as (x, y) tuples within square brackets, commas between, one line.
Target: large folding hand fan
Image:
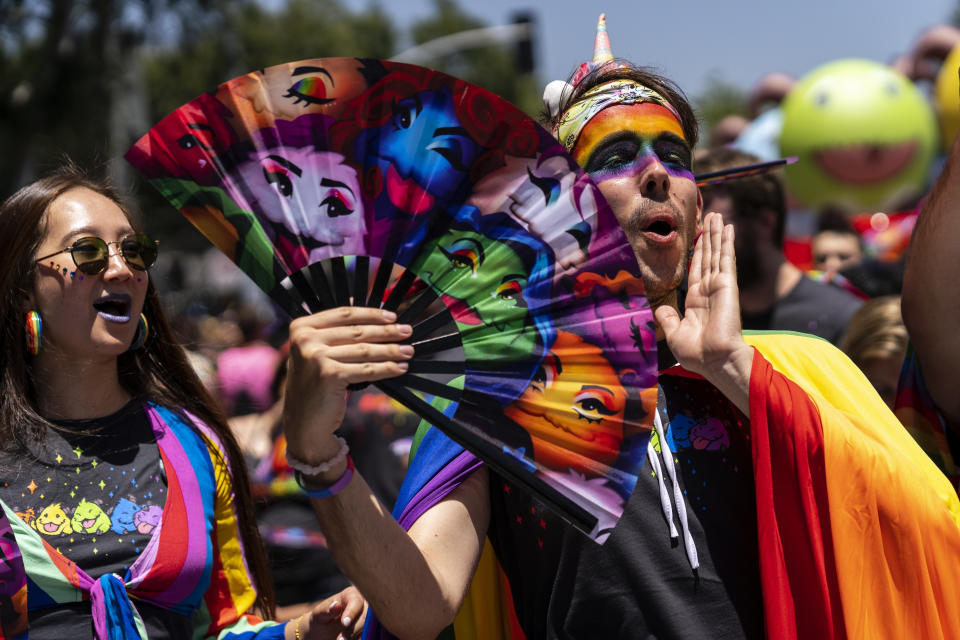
[(346, 181)]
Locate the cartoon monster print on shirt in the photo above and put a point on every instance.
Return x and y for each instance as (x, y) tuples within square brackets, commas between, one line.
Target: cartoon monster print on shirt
[(88, 517), (123, 515), (707, 433), (53, 521), (147, 519)]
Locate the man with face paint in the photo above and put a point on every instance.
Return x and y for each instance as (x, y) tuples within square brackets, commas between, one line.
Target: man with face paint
[(807, 516)]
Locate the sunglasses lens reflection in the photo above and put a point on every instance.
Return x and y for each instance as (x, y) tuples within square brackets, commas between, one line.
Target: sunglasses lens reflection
[(90, 255), (139, 251)]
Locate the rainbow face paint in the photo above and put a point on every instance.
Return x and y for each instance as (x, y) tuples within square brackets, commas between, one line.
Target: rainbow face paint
[(574, 120), (624, 139)]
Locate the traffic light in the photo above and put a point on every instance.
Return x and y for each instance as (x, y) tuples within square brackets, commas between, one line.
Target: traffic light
[(523, 47)]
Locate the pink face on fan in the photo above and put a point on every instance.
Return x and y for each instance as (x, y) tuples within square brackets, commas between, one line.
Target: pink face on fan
[(306, 193), (538, 193)]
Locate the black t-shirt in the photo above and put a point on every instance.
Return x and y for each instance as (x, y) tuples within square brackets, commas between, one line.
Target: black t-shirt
[(95, 491), (639, 584)]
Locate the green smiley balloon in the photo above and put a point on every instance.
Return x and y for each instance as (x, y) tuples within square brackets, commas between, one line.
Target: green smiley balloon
[(864, 136)]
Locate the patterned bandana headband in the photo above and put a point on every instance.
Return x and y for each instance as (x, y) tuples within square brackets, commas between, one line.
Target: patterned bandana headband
[(568, 127)]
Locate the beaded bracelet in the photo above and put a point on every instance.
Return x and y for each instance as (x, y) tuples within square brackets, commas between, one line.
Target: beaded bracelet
[(323, 467), (333, 489)]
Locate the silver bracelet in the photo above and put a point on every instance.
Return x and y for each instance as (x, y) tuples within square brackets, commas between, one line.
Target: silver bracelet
[(323, 467)]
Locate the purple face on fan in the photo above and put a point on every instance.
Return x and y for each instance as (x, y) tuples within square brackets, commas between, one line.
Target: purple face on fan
[(424, 152)]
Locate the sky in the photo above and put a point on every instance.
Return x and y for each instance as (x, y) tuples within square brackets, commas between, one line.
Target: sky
[(736, 41)]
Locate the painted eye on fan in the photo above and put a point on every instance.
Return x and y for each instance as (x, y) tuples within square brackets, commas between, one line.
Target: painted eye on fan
[(336, 205), (280, 181), (591, 408), (462, 260), (310, 90), (543, 377), (403, 115), (510, 291), (189, 141)]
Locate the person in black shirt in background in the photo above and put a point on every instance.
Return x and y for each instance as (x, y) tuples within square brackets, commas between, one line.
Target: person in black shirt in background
[(774, 294)]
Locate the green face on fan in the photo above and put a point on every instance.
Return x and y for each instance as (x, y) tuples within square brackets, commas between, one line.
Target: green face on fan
[(486, 280), (864, 136)]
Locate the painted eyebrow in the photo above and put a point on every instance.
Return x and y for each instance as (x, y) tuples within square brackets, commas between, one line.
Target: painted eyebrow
[(480, 251), (199, 125), (559, 367), (327, 182), (593, 387), (450, 131), (283, 162), (512, 276), (299, 71)]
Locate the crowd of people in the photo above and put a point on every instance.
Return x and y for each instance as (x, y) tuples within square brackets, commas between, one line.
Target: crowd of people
[(220, 473)]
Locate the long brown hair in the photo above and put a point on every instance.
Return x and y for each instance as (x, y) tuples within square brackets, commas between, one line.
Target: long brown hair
[(159, 371)]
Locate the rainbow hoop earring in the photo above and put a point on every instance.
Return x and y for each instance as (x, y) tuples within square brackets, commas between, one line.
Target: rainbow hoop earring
[(34, 327), (143, 331)]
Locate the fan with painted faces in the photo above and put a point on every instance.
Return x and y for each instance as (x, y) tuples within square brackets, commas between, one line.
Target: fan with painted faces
[(387, 185)]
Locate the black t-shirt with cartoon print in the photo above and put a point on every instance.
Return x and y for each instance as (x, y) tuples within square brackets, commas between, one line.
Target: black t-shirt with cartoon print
[(94, 490)]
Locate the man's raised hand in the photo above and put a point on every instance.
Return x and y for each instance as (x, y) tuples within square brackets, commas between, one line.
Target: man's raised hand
[(707, 339)]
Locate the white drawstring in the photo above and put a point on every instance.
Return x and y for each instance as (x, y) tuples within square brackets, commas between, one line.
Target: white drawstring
[(689, 545)]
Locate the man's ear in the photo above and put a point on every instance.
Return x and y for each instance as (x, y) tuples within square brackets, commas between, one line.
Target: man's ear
[(699, 210)]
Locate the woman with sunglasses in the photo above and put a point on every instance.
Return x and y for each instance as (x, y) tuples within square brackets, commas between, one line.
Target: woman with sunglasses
[(125, 510)]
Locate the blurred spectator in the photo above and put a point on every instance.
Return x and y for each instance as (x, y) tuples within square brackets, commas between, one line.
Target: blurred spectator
[(727, 129), (836, 245), (246, 371), (774, 294), (876, 341), (768, 92)]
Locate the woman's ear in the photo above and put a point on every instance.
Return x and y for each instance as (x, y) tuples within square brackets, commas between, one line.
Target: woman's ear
[(28, 303)]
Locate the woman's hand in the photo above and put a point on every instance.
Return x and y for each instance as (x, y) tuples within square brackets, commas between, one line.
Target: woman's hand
[(328, 351), (339, 617)]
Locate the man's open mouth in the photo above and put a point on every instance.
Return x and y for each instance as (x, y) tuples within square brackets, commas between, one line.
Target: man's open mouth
[(660, 229), (114, 307)]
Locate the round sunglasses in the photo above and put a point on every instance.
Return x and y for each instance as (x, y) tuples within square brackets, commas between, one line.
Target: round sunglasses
[(91, 253)]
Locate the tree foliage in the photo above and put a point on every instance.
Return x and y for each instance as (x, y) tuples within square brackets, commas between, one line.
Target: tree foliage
[(720, 98), (491, 67), (86, 78)]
